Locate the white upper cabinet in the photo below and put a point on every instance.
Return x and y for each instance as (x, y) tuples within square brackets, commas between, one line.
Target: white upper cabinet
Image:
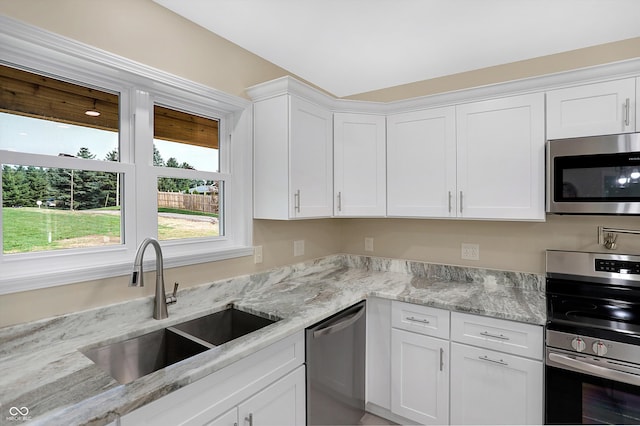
[(293, 159), (421, 163), (481, 160), (593, 109), (359, 165), (500, 158)]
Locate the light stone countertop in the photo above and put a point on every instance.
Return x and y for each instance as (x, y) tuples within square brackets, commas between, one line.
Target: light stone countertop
[(42, 369)]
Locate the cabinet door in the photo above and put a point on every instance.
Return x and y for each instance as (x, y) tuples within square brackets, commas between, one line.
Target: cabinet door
[(419, 377), (359, 165), (421, 163), (594, 109), (501, 158), (311, 160), (489, 387), (280, 404)]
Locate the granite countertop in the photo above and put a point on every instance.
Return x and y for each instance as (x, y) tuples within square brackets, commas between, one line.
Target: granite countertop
[(42, 369)]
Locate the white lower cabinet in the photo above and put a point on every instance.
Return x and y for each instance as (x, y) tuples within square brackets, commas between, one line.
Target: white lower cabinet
[(453, 368), (419, 377), (282, 403), (264, 388), (490, 388)]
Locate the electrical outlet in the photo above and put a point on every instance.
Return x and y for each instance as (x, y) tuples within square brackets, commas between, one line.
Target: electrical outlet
[(298, 248), (368, 244), (470, 251), (257, 254)]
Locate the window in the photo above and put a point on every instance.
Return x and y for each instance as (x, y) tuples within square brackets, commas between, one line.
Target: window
[(187, 207), (50, 206), (98, 153)]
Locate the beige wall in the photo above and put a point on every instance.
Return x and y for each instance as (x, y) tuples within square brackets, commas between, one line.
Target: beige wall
[(512, 246), (145, 32)]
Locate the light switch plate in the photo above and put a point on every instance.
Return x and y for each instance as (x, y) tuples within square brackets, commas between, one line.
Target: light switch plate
[(257, 254)]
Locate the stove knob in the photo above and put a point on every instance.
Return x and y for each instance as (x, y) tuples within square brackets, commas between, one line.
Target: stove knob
[(599, 348), (578, 344)]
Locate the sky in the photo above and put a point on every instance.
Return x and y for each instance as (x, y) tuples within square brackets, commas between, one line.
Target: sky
[(24, 134)]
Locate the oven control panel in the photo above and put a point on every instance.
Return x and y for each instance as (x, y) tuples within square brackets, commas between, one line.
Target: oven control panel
[(590, 346), (617, 266)]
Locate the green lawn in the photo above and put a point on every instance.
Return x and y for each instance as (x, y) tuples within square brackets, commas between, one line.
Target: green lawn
[(29, 229)]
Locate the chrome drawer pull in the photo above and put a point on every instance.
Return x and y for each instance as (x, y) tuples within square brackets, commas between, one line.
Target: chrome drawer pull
[(497, 336), (414, 319), (486, 358)]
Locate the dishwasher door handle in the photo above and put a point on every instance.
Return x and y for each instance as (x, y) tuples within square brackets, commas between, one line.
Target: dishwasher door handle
[(341, 325)]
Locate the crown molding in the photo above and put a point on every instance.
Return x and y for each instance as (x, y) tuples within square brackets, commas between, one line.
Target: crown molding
[(289, 85)]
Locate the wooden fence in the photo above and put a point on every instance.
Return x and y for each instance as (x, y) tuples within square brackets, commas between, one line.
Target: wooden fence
[(207, 203)]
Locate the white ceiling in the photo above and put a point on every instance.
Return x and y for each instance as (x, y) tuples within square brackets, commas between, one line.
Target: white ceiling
[(348, 47)]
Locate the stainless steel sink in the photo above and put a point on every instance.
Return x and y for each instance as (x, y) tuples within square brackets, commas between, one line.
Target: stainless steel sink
[(130, 359), (224, 326), (133, 358)]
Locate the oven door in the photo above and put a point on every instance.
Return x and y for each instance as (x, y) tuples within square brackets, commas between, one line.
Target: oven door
[(590, 390)]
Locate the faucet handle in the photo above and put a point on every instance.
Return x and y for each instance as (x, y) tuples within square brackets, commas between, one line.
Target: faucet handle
[(173, 298)]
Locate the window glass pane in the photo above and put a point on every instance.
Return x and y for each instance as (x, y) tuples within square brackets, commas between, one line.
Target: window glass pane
[(42, 115), (49, 209), (192, 213), (185, 140)]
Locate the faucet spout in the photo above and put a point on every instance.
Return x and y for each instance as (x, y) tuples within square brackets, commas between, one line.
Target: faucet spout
[(136, 279)]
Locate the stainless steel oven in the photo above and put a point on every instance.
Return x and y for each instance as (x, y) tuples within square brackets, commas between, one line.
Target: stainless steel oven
[(592, 370)]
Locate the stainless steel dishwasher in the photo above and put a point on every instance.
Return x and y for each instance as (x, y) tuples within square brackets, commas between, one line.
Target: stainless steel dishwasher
[(335, 357)]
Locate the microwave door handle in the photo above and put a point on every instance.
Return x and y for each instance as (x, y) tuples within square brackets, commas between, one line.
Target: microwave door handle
[(595, 370)]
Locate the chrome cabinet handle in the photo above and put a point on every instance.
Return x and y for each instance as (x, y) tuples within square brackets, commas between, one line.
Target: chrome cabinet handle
[(339, 201), (249, 419), (296, 202), (460, 202), (441, 359), (495, 361), (414, 319), (627, 107), (497, 336), (449, 201)]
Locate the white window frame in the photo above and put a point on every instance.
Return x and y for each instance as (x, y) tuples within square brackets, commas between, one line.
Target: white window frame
[(139, 87)]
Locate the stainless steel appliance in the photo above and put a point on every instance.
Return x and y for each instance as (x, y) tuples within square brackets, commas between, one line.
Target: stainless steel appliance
[(594, 175), (592, 371), (335, 357)]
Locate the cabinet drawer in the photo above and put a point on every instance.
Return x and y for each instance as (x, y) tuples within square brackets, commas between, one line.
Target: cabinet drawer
[(501, 335), (420, 319)]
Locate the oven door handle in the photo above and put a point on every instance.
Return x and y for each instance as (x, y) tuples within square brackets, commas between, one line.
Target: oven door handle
[(596, 370)]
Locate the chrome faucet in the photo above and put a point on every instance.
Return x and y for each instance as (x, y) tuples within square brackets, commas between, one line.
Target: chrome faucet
[(161, 299)]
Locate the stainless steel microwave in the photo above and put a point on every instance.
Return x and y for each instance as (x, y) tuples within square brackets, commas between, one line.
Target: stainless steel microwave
[(594, 175)]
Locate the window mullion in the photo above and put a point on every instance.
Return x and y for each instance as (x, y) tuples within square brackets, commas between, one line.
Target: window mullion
[(144, 199)]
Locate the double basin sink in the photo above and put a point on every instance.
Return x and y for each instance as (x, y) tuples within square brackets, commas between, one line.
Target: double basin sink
[(133, 358)]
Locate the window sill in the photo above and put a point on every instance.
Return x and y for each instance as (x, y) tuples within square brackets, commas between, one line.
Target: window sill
[(47, 279)]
